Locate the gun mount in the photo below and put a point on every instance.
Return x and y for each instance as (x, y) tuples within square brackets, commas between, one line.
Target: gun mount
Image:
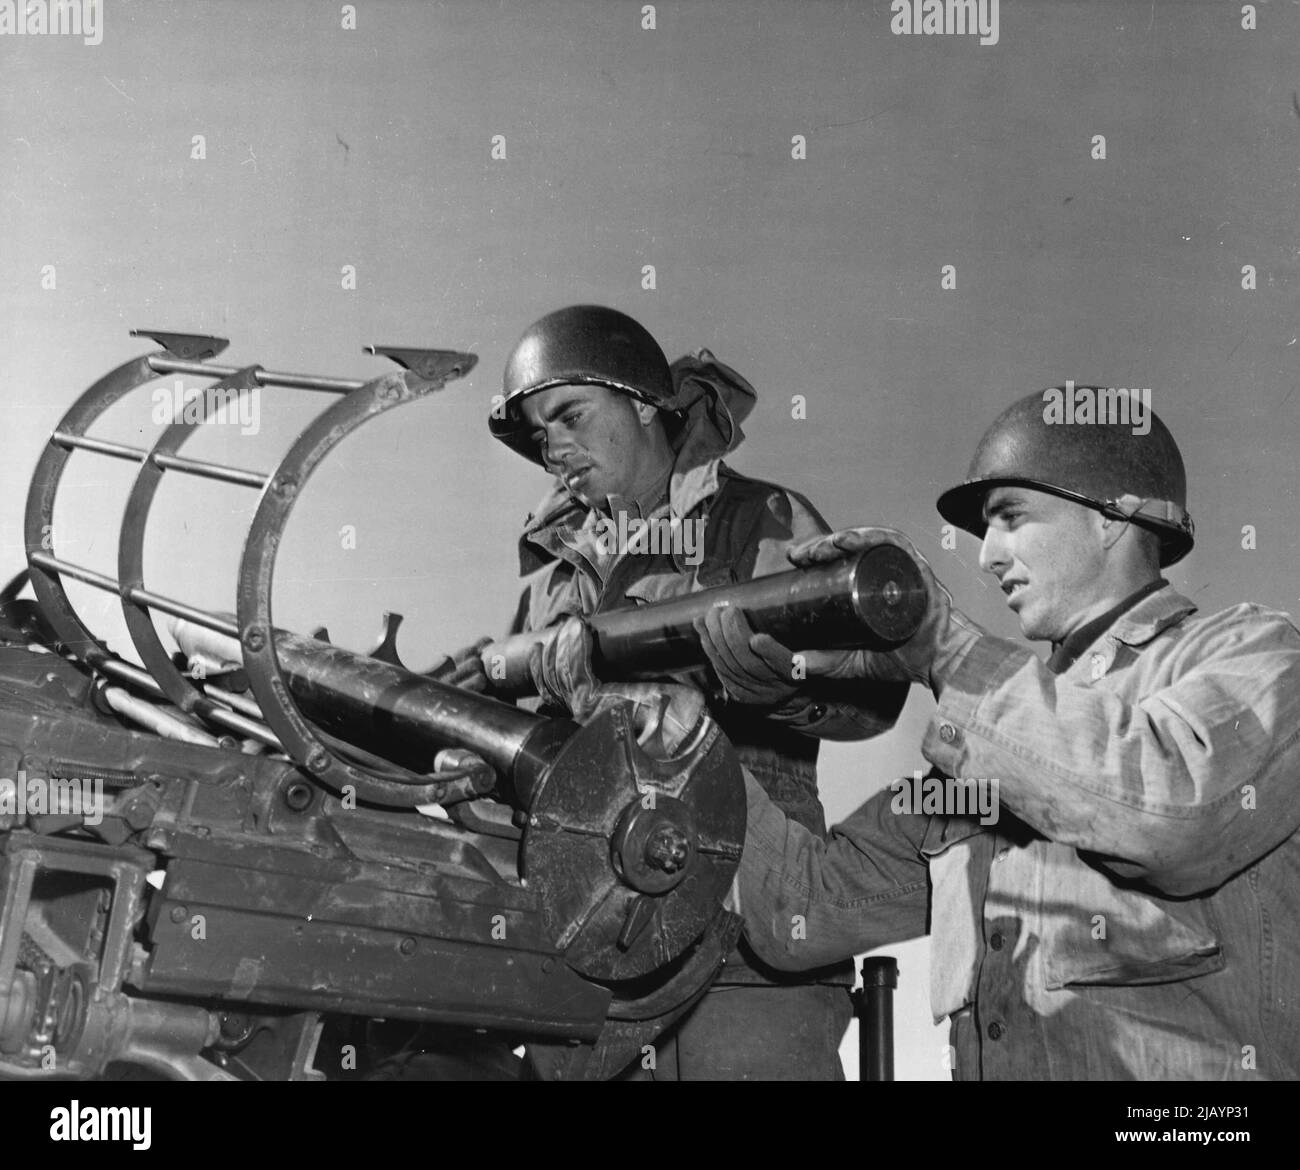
[(244, 887)]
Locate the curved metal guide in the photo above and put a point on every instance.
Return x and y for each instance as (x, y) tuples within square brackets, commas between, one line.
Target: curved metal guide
[(256, 580), (190, 353)]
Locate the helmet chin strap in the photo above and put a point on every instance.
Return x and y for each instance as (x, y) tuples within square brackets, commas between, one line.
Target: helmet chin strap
[(1164, 511), (1124, 508), (1131, 507)]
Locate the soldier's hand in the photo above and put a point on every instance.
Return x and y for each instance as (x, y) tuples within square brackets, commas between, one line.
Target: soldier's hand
[(753, 668), (463, 669), (847, 542), (939, 642), (561, 667), (664, 715), (757, 669)]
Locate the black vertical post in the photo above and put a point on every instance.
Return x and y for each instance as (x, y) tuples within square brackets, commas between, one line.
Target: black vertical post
[(874, 1005)]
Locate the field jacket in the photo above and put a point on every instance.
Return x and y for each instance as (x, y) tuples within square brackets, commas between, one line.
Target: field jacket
[(1134, 912)]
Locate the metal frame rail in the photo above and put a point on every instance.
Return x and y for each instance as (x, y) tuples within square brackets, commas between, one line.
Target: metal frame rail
[(424, 372)]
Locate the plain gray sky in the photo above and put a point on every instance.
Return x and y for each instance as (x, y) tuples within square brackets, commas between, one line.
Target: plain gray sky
[(628, 147)]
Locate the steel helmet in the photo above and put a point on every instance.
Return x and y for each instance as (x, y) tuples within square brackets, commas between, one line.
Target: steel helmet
[(1103, 465), (580, 345)]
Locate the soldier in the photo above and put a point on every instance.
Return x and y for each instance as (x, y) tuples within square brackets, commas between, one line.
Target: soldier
[(1131, 909), (642, 509), (1134, 912)]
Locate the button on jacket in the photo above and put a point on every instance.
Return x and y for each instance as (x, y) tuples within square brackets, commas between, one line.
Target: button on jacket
[(1134, 912)]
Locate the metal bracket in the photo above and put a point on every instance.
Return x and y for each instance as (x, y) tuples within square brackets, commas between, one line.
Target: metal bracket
[(188, 347), (386, 650), (433, 365)]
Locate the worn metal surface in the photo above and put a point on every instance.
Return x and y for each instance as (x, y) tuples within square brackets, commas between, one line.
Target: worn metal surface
[(276, 894), (616, 916), (605, 818)]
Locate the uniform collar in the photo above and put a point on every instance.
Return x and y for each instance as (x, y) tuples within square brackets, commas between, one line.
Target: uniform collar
[(559, 514), (1154, 613), (1135, 620)]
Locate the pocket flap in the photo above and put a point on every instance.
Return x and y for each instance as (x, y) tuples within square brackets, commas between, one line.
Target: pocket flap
[(1129, 939)]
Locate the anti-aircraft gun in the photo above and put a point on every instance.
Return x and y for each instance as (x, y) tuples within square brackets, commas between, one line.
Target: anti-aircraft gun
[(224, 863)]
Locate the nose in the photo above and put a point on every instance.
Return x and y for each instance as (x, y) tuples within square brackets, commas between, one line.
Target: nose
[(994, 556), (555, 448)]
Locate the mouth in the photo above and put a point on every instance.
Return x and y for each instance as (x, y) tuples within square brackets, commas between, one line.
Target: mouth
[(1015, 591), (572, 477), (575, 477)]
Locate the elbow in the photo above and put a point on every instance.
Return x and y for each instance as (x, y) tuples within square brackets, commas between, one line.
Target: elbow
[(1180, 861), (782, 943)]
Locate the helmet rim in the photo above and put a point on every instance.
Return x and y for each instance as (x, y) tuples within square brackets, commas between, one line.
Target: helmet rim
[(579, 345), (963, 506)]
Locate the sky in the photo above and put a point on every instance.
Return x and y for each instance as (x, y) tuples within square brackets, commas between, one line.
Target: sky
[(222, 167)]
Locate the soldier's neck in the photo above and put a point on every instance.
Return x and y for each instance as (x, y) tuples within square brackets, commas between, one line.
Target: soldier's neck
[(644, 496)]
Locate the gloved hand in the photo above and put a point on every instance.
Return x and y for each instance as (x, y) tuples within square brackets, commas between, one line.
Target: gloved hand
[(753, 668), (931, 654), (664, 715), (758, 670), (561, 667), (463, 669)]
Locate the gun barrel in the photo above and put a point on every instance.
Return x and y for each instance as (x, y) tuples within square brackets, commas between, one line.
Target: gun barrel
[(381, 707), (875, 600)]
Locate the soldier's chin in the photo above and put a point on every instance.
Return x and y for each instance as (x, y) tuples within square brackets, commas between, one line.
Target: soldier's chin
[(1030, 623), (589, 492), (1036, 629), (584, 499)]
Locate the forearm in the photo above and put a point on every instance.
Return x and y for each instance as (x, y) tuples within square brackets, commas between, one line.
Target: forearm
[(808, 902)]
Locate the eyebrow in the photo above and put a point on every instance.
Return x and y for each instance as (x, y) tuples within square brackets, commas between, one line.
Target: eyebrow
[(1011, 500), (559, 407)]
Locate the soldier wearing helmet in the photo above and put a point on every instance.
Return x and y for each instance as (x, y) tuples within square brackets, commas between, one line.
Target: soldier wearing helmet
[(632, 441), (1130, 908)]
